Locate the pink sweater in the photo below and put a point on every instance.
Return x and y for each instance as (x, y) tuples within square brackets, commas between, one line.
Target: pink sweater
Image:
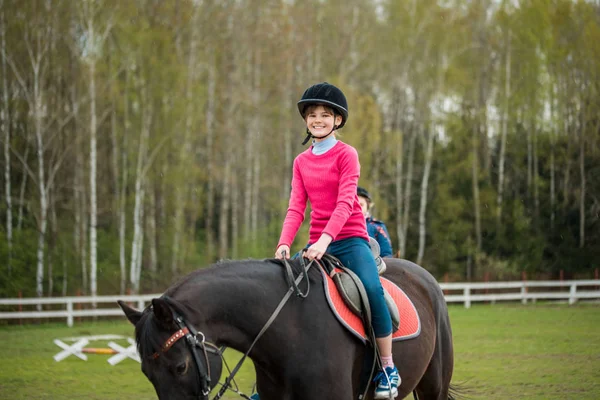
[(329, 182)]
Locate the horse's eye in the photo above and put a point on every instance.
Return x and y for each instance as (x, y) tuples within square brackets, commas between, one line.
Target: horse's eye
[(181, 368)]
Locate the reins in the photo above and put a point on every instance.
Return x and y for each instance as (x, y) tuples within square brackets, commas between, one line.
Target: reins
[(191, 334), (293, 288)]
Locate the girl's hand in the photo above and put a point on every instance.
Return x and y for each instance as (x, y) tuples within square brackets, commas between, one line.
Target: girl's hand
[(317, 249), (282, 251)]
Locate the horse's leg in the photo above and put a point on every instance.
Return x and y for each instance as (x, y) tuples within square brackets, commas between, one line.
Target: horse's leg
[(435, 383)]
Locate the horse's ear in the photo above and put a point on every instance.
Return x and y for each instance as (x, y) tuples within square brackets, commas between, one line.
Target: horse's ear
[(132, 314), (162, 312)]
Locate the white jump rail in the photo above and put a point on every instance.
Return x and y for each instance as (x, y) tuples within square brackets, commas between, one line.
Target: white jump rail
[(468, 293)]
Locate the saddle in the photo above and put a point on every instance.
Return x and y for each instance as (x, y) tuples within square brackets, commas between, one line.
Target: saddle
[(352, 291)]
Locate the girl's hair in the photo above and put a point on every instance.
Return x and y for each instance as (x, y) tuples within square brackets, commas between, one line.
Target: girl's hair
[(309, 108)]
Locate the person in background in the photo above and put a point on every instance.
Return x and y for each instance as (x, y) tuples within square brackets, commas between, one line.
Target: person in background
[(376, 229)]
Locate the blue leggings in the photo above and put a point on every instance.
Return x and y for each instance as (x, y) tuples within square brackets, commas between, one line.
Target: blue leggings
[(355, 254)]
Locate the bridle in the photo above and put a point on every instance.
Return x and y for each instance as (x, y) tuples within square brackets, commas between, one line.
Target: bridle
[(195, 340), (194, 343)]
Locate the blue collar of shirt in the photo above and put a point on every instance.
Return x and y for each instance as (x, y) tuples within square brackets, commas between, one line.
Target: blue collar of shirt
[(324, 146)]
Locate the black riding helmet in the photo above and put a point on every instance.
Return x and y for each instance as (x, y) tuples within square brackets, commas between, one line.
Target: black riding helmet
[(326, 94)]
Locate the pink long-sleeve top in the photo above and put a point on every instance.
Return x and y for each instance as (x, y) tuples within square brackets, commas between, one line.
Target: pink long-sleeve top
[(329, 182)]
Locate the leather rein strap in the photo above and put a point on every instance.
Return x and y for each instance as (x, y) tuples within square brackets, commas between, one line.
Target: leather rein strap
[(293, 287), (191, 334)]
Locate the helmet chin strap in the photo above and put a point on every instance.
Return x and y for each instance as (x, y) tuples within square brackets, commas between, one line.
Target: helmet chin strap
[(310, 135)]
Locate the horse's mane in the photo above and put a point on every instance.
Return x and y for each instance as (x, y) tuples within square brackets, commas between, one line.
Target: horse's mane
[(237, 267), (147, 330)]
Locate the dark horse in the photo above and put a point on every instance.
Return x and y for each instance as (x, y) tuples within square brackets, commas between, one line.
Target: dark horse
[(305, 354)]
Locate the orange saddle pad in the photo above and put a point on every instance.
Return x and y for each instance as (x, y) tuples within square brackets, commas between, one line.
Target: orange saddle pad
[(410, 324)]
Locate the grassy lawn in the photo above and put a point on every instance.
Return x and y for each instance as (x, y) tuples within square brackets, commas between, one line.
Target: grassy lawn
[(528, 352), (501, 352)]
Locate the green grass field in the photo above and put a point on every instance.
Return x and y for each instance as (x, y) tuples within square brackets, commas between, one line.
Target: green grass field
[(501, 352)]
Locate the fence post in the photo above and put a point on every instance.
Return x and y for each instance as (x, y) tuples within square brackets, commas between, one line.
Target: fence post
[(446, 280), (140, 305), (20, 308), (573, 294), (524, 288), (79, 293), (70, 313), (467, 294)]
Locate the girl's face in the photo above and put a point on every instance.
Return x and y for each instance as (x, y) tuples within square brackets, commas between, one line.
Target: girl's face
[(320, 121)]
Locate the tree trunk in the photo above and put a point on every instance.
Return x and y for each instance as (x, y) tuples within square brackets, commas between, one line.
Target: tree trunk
[(6, 124), (475, 184), (424, 185), (138, 211), (37, 113), (151, 234), (224, 209), (408, 189), (23, 185), (582, 181), (399, 175), (536, 197), (235, 215), (504, 134), (122, 205), (529, 163), (51, 243), (210, 132), (287, 123), (187, 150), (80, 229), (93, 183), (552, 161)]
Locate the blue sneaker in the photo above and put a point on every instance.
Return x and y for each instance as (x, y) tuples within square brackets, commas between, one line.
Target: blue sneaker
[(255, 396), (387, 383)]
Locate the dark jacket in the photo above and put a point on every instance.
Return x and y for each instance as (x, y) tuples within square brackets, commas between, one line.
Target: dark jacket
[(379, 232)]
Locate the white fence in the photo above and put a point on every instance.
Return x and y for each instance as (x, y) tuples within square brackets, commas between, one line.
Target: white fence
[(466, 293)]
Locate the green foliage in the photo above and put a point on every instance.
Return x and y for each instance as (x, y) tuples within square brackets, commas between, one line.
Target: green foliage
[(21, 277), (214, 87)]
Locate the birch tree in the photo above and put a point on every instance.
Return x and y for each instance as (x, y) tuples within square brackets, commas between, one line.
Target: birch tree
[(37, 45), (180, 196), (503, 134), (94, 43), (6, 125), (135, 268)]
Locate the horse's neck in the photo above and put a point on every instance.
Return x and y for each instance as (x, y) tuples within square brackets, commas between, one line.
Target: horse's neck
[(235, 306)]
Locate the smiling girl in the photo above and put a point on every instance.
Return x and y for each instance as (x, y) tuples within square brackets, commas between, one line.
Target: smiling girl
[(327, 175)]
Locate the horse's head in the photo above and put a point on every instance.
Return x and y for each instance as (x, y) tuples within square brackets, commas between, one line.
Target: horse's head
[(178, 366)]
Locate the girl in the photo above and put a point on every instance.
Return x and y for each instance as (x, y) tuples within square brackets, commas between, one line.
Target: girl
[(327, 175)]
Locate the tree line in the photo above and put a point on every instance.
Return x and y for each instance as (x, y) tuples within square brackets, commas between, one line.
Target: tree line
[(143, 139)]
